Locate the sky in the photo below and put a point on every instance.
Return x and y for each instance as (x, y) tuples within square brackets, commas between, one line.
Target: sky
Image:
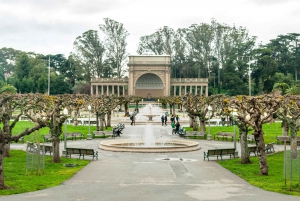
[(51, 26)]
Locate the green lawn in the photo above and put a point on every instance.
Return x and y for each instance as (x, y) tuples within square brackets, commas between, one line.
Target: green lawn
[(273, 182), (270, 130), (22, 125), (54, 174)]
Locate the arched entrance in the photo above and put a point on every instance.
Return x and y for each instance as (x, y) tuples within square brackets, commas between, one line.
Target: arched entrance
[(149, 85)]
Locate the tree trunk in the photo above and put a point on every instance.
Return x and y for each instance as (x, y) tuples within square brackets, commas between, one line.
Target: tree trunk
[(97, 120), (285, 128), (101, 127), (191, 122), (2, 149), (261, 152), (109, 118), (245, 158), (294, 129), (6, 152), (126, 109), (55, 145), (75, 123), (171, 109), (202, 126)]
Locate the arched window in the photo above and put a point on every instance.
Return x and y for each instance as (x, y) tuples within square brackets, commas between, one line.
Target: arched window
[(149, 81)]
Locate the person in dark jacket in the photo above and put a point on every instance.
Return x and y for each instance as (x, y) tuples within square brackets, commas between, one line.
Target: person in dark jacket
[(162, 120), (166, 119), (177, 126)]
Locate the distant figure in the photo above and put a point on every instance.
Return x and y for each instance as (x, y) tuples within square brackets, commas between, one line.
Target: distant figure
[(162, 120), (223, 120), (132, 119), (166, 119), (177, 126), (117, 131), (172, 119), (173, 127), (230, 121), (177, 118)]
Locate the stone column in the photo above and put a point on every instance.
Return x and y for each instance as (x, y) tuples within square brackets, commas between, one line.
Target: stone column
[(92, 89), (97, 90)]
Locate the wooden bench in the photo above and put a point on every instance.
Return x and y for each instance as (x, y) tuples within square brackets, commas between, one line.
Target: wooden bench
[(82, 152), (252, 149), (195, 134), (72, 136), (47, 148), (102, 134), (224, 136), (219, 152), (270, 147), (78, 135), (287, 139)]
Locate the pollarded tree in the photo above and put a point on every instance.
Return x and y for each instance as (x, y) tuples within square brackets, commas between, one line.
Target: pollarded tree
[(99, 105), (197, 106), (112, 102), (172, 100), (50, 108), (235, 104), (258, 110), (9, 103), (289, 113)]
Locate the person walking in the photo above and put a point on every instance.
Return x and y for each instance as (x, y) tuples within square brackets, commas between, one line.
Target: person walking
[(177, 118), (177, 126), (132, 119), (173, 127), (166, 119), (172, 118), (162, 120)]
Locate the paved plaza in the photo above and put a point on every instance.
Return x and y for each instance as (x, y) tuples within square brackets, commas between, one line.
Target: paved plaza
[(117, 176)]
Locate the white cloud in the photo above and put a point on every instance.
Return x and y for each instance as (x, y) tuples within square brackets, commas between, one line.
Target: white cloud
[(51, 26)]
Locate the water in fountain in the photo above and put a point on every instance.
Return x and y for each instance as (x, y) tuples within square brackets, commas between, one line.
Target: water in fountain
[(149, 140)]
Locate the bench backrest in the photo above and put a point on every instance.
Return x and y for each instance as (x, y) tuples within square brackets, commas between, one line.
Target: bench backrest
[(228, 151), (214, 152), (252, 149), (73, 150)]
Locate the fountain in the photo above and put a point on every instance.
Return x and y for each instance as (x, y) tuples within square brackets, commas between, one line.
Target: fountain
[(148, 144), (150, 115)]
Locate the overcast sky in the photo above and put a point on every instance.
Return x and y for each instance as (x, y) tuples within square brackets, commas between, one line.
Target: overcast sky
[(51, 26)]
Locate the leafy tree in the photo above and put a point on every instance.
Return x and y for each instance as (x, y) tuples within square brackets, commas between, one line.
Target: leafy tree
[(115, 43), (90, 50), (9, 103), (22, 67)]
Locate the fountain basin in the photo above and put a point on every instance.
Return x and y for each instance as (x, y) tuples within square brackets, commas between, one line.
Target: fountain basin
[(161, 146)]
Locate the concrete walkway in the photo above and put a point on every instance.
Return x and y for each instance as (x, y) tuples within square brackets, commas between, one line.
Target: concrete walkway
[(140, 176)]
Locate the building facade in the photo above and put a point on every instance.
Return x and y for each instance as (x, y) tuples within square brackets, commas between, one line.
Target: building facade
[(149, 76)]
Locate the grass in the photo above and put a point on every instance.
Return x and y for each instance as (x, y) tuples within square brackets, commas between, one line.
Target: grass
[(54, 173), (270, 130), (273, 182), (22, 125)]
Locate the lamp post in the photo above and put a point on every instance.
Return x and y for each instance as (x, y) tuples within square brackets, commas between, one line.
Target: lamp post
[(65, 133), (89, 134), (209, 108), (249, 78), (234, 116)]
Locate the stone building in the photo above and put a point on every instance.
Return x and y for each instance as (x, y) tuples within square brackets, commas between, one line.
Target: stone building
[(149, 76)]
